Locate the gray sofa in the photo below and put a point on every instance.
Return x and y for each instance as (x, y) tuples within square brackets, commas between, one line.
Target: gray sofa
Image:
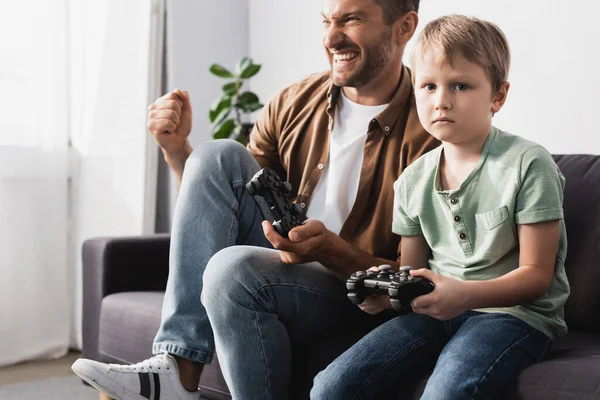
[(124, 281)]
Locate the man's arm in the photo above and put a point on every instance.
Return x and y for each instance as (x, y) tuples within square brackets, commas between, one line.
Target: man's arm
[(170, 123), (451, 297), (313, 242)]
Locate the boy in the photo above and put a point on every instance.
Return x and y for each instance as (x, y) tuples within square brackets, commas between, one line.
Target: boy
[(484, 213)]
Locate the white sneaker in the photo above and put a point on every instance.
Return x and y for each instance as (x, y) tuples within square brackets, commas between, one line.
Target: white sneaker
[(156, 378)]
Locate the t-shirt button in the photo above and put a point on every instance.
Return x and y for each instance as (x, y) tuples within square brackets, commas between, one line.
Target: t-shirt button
[(453, 200), (457, 218), (387, 128), (320, 166), (462, 236), (303, 205)]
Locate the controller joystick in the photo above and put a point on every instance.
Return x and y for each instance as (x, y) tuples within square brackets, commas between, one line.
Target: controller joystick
[(405, 287)]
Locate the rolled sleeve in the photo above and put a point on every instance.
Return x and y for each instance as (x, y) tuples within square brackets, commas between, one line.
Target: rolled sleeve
[(402, 224), (264, 140), (540, 196)]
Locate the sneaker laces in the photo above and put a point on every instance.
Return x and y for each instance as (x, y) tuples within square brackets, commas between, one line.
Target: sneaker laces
[(157, 363)]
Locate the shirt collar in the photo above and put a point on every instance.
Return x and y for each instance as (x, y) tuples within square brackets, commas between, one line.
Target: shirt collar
[(389, 116)]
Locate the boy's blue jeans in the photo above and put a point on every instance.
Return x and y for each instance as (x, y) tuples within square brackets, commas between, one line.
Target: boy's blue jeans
[(475, 355)]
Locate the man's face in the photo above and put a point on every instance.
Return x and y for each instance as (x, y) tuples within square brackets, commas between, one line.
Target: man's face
[(358, 42), (454, 101)]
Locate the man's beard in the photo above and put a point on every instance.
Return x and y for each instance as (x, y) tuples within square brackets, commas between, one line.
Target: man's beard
[(376, 58)]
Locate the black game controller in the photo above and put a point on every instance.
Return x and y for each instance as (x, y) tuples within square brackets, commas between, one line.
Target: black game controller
[(402, 287), (405, 287), (267, 184)]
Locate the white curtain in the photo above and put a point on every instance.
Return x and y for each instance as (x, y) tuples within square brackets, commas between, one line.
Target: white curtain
[(34, 284), (78, 72), (115, 67)]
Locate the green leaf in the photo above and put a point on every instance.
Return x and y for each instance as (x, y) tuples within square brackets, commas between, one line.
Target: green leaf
[(224, 130), (224, 113), (224, 103), (253, 107), (236, 131), (231, 88), (237, 135), (218, 70), (248, 108), (247, 98), (250, 71), (242, 64)]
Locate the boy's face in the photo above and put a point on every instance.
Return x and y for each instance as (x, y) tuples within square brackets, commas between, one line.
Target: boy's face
[(358, 43), (455, 102)]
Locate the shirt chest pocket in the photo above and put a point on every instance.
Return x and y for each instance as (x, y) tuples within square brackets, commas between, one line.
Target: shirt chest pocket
[(495, 235)]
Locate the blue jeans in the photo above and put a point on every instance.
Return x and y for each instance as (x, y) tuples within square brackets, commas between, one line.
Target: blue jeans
[(475, 355), (213, 211), (261, 308)]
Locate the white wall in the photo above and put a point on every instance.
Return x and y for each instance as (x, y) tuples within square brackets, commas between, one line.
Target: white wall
[(553, 98), (199, 33), (285, 37)]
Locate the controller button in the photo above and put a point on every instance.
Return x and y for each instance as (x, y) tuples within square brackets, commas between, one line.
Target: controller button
[(385, 267), (360, 273)]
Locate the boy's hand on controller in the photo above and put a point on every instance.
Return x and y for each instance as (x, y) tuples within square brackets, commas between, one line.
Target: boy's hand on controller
[(303, 244), (448, 300)]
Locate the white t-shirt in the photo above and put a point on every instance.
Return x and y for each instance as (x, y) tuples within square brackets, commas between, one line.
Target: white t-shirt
[(336, 191)]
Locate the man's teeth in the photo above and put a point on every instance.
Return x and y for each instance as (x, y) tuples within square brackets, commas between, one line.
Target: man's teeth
[(345, 56)]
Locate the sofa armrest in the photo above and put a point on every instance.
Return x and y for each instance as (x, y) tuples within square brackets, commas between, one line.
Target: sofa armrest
[(119, 264)]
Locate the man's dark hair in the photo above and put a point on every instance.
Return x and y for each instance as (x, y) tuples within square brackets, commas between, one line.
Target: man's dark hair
[(393, 9)]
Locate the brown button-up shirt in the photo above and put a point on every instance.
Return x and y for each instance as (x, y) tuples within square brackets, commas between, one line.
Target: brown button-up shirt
[(291, 136)]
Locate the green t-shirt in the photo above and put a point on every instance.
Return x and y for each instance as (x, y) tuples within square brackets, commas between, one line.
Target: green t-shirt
[(472, 231)]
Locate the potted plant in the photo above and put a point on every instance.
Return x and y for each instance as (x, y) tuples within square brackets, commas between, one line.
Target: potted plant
[(229, 115)]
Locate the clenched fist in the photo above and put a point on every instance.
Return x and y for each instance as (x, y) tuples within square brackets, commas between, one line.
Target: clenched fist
[(170, 121)]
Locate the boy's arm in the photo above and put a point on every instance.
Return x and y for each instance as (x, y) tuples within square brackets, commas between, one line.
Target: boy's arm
[(451, 297), (415, 252), (537, 256)]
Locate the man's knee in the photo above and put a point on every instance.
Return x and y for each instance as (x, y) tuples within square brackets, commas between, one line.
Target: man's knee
[(213, 150), (216, 156), (232, 273)]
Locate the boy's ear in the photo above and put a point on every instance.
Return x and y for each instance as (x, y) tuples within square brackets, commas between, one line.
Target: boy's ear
[(406, 26), (500, 97)]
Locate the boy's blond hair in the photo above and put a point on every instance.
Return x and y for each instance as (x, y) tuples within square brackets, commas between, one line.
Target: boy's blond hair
[(480, 42)]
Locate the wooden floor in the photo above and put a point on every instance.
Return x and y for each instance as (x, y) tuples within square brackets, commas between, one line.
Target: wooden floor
[(31, 371)]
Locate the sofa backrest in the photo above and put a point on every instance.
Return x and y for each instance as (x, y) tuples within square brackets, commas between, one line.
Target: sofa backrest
[(582, 220)]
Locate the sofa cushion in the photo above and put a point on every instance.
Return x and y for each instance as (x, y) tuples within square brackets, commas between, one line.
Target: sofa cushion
[(571, 372), (582, 219), (128, 323)]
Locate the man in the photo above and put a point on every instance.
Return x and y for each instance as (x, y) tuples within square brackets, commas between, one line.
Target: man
[(341, 138)]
